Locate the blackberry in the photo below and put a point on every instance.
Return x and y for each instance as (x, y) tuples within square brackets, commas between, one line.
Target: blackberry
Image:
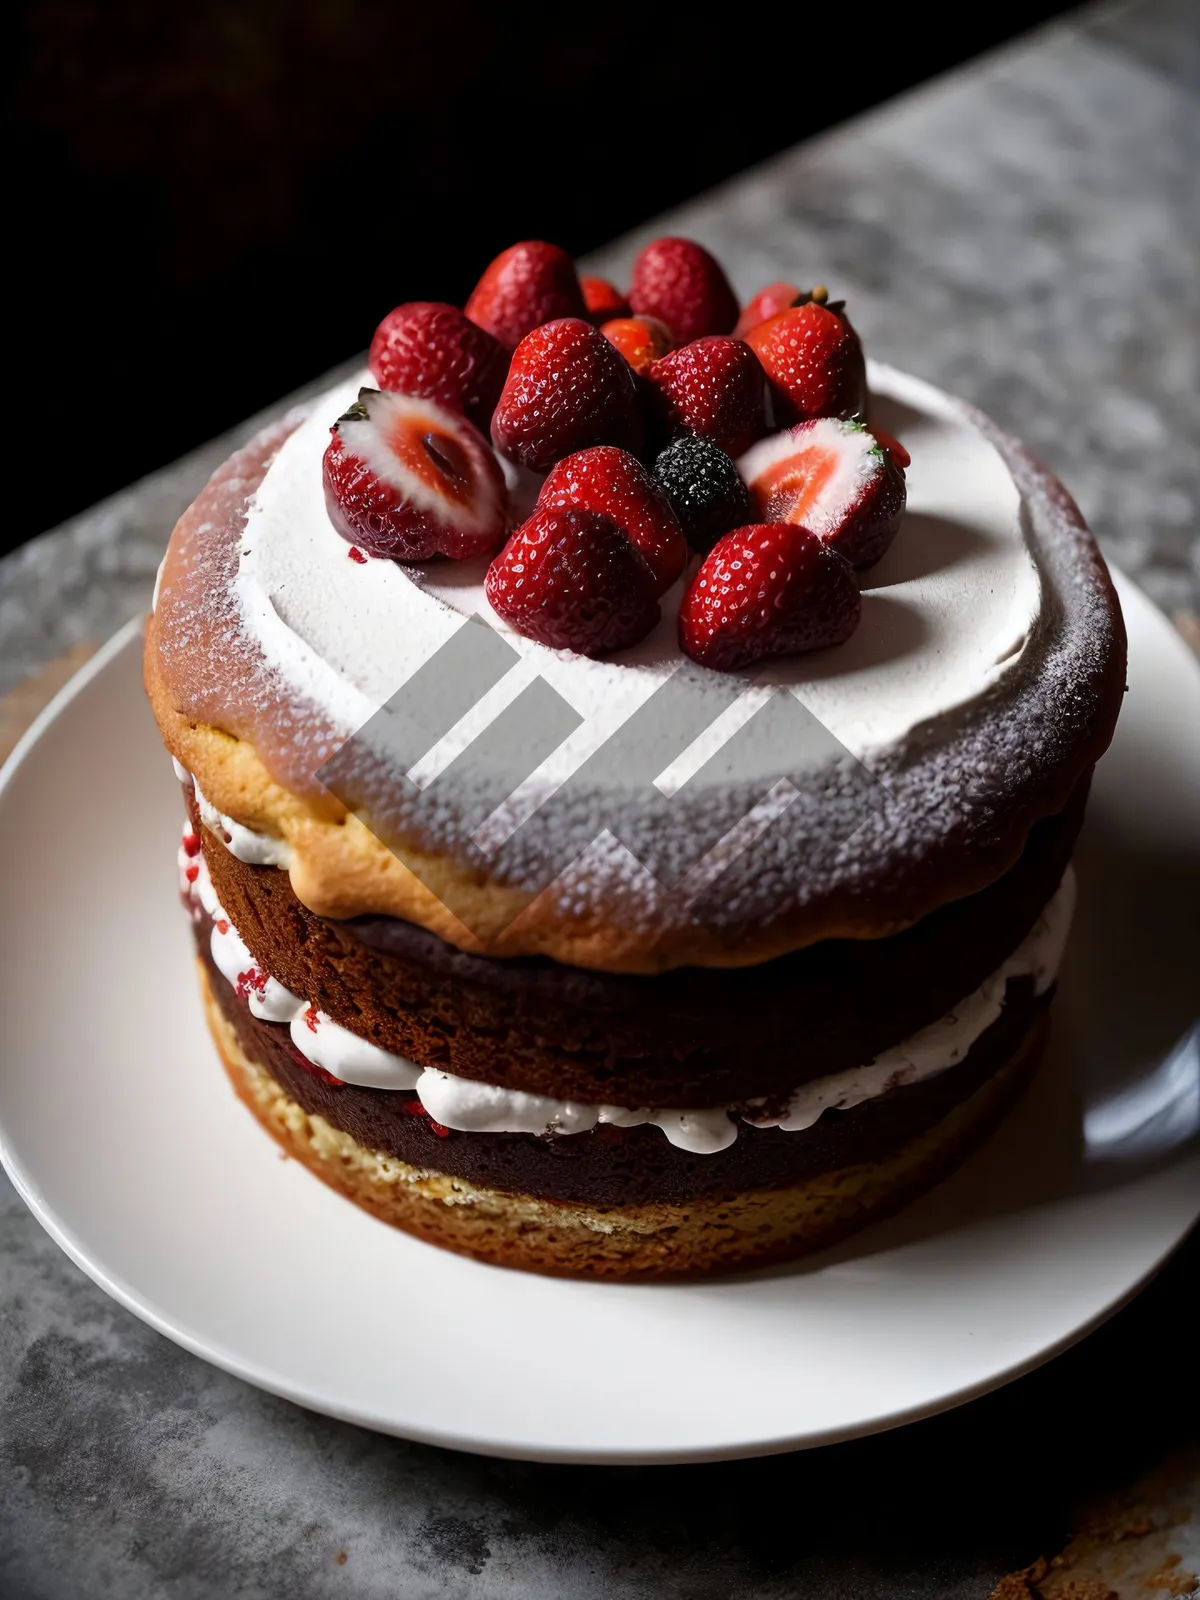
[(705, 490)]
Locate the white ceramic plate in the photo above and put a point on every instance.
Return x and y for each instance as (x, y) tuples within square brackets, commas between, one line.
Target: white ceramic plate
[(119, 1129)]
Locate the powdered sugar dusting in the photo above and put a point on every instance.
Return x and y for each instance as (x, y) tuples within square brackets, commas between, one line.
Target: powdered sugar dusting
[(978, 687), (935, 625)]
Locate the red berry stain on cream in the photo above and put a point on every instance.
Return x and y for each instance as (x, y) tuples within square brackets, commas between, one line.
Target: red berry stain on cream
[(253, 979)]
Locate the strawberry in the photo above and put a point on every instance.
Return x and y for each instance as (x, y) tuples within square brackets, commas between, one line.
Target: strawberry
[(603, 300), (567, 388), (431, 350), (408, 480), (526, 285), (641, 340), (771, 589), (834, 478), (814, 360), (573, 581), (616, 484), (775, 297), (893, 447), (677, 281), (716, 388)]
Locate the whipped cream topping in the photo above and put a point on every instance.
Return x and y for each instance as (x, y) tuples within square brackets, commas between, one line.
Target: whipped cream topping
[(945, 613), (256, 849), (468, 1106), (943, 1043), (336, 1050)]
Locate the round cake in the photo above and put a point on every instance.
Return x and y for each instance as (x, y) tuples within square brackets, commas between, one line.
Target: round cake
[(630, 794)]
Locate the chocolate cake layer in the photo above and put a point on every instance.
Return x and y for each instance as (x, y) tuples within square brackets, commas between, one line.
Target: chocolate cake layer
[(628, 1166), (689, 1037)]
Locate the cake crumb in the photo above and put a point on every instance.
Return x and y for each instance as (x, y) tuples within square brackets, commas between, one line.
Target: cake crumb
[(1123, 1546), (1044, 1580), (1171, 1579), (1017, 1586)]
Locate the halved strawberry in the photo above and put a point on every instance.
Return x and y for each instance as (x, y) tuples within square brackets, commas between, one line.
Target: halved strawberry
[(771, 589), (814, 360), (527, 284), (434, 351), (573, 581), (567, 388), (406, 479), (603, 300), (767, 302), (680, 283), (641, 340), (615, 483), (714, 387), (834, 478)]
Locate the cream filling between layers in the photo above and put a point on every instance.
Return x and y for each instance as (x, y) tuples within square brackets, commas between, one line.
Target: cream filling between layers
[(471, 1107), (256, 849)]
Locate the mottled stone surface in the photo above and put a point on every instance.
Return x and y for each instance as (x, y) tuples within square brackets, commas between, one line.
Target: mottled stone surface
[(129, 1471), (1024, 232), (85, 579)]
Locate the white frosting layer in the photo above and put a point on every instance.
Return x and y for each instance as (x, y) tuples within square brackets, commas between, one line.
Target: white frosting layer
[(257, 849), (945, 613), (943, 1043), (471, 1107)]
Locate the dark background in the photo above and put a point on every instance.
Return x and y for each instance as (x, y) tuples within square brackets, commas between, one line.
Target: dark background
[(217, 200)]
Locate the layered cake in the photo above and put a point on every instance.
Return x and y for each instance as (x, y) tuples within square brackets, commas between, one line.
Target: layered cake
[(630, 794)]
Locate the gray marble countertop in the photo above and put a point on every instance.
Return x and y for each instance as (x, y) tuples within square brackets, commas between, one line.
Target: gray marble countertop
[(1024, 231)]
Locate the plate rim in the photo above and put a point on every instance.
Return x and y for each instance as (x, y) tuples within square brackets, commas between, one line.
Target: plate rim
[(248, 1371)]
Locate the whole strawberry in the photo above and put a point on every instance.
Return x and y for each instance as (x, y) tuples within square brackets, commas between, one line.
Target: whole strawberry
[(834, 478), (432, 350), (814, 360), (572, 580), (526, 285), (641, 340), (767, 302), (677, 281), (567, 389), (771, 589), (714, 387), (407, 480), (614, 483), (603, 300)]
